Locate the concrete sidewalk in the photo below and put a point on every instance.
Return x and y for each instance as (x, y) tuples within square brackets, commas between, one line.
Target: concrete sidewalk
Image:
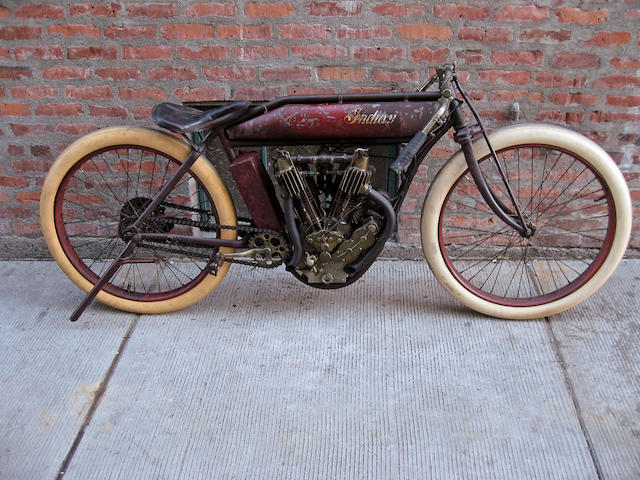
[(268, 378)]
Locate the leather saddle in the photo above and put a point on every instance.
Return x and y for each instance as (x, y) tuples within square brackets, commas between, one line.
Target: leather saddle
[(183, 119)]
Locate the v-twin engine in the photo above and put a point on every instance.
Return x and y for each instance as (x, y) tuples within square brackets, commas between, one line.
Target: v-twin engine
[(337, 224)]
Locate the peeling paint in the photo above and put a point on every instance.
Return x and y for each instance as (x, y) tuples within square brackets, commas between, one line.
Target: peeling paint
[(339, 120)]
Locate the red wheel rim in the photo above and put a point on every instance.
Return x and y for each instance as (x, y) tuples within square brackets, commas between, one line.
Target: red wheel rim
[(571, 287), (81, 266)]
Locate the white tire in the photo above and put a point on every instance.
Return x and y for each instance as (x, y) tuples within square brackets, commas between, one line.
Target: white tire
[(476, 296), (63, 169)]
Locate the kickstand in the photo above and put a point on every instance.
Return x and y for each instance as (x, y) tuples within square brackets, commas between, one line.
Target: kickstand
[(107, 276)]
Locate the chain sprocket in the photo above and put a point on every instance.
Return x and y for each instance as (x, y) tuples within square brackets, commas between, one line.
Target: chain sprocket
[(271, 246)]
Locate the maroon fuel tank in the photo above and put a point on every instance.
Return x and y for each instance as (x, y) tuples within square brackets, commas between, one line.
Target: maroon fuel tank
[(337, 120)]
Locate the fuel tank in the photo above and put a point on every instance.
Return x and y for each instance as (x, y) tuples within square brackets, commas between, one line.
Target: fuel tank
[(377, 120)]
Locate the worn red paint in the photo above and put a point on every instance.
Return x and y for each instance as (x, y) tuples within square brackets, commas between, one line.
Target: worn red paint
[(337, 120)]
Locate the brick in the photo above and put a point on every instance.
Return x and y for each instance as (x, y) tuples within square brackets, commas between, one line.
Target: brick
[(253, 93), (28, 197), (99, 111), (74, 30), (618, 81), (341, 73), (398, 11), (59, 109), (627, 63), (153, 10), (518, 13), (310, 91), (457, 11), (39, 11), (560, 117), (508, 96), (142, 113), (211, 9), (581, 17), (426, 54), (384, 76), (260, 51), (505, 77), (4, 12), (469, 56), (294, 73), (269, 10), (93, 92), (609, 39), (359, 90), (20, 32), (166, 73), (229, 73), (92, 52), (297, 31), (546, 36), (187, 31), (76, 129), (15, 150), (147, 52), (150, 93), (409, 205), (485, 34), (62, 73), (111, 10), (27, 228), (628, 101), (4, 52), (200, 94), (243, 32), (119, 74), (377, 54), (21, 130), (130, 31), (48, 52), (423, 31), (14, 182), (545, 79), (212, 52), (517, 57), (14, 109), (575, 60), (573, 99), (4, 197), (335, 9), (318, 50), (16, 212), (494, 115), (382, 31), (34, 92), (608, 117)]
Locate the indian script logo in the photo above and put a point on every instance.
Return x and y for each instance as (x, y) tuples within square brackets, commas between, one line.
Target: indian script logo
[(376, 118)]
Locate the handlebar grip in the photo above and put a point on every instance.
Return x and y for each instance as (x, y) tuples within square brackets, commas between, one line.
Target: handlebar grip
[(409, 152)]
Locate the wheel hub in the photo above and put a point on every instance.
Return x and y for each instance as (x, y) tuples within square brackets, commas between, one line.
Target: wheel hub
[(130, 212)]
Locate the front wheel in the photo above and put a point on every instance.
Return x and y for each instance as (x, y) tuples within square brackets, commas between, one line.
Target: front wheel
[(95, 191), (570, 192)]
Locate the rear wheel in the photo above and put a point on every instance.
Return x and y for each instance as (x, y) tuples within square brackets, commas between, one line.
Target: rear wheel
[(96, 190), (573, 196)]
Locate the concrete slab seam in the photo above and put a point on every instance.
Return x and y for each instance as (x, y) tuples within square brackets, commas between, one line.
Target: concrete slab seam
[(574, 398), (97, 397)]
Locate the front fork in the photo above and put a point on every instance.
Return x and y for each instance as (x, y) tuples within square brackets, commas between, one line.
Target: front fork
[(463, 135)]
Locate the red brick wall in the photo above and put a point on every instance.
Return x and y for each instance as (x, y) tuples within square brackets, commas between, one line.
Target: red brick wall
[(69, 68)]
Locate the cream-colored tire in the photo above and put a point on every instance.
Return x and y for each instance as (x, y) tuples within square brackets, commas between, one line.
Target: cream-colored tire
[(454, 213), (73, 167)]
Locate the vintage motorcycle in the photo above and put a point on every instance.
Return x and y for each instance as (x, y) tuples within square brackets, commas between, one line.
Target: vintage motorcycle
[(523, 223)]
